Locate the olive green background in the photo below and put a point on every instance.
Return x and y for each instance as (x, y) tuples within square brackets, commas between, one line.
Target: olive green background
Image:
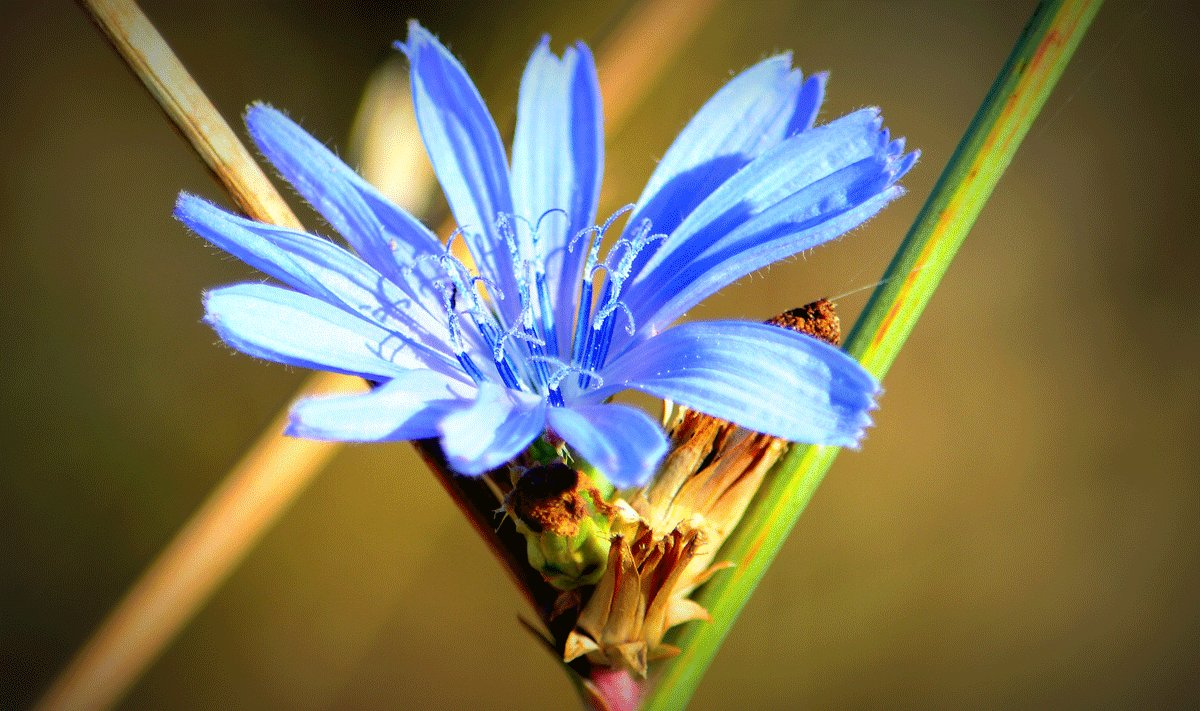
[(1020, 530)]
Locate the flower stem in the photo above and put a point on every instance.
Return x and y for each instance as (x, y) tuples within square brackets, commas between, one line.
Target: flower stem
[(1008, 111), (614, 690)]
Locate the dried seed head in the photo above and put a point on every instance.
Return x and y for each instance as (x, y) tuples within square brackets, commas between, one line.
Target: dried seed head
[(665, 542), (637, 601), (714, 468), (548, 498)]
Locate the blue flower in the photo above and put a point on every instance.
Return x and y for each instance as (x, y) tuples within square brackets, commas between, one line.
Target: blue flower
[(546, 327)]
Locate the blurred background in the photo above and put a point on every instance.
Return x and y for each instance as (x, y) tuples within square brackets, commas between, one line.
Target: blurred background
[(1021, 529)]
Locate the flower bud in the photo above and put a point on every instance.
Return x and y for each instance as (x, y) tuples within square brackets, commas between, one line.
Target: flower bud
[(565, 522)]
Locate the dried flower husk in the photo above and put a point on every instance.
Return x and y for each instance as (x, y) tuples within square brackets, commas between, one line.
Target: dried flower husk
[(666, 535), (638, 599)]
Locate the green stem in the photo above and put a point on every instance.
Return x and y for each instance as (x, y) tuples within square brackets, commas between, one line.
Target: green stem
[(1012, 104)]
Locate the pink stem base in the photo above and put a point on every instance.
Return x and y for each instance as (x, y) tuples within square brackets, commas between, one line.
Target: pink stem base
[(615, 690)]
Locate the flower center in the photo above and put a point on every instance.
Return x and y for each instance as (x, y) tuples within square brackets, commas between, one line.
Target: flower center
[(525, 354)]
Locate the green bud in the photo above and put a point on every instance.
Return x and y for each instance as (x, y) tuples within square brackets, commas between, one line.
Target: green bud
[(544, 452), (565, 522)]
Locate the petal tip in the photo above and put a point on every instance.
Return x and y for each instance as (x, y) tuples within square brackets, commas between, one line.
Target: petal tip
[(294, 426), (260, 111), (297, 425), (784, 59), (906, 163), (207, 300), (186, 206), (418, 37), (267, 126)]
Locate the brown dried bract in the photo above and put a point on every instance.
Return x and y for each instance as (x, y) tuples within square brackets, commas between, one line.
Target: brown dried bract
[(818, 319), (637, 601)]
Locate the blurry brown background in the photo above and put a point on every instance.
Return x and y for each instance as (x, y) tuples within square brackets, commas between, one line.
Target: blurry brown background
[(1020, 530)]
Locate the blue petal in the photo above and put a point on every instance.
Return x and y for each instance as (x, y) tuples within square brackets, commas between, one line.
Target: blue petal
[(622, 442), (288, 327), (558, 162), (748, 116), (386, 236), (324, 270), (785, 230), (803, 192), (808, 103), (408, 407), (493, 430), (777, 174), (764, 378), (465, 150)]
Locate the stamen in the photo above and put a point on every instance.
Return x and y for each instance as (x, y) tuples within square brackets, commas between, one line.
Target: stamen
[(460, 351), (537, 364), (563, 372), (593, 230), (538, 227), (546, 309), (541, 294), (582, 336), (565, 369), (465, 283), (525, 330), (492, 287), (521, 265), (519, 332), (613, 217), (599, 230), (581, 321), (599, 339), (630, 324), (444, 259)]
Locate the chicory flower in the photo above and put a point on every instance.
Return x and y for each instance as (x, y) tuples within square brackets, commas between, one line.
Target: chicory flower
[(550, 321)]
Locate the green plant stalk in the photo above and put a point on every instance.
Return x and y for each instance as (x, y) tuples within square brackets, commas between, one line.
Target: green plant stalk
[(1018, 94)]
